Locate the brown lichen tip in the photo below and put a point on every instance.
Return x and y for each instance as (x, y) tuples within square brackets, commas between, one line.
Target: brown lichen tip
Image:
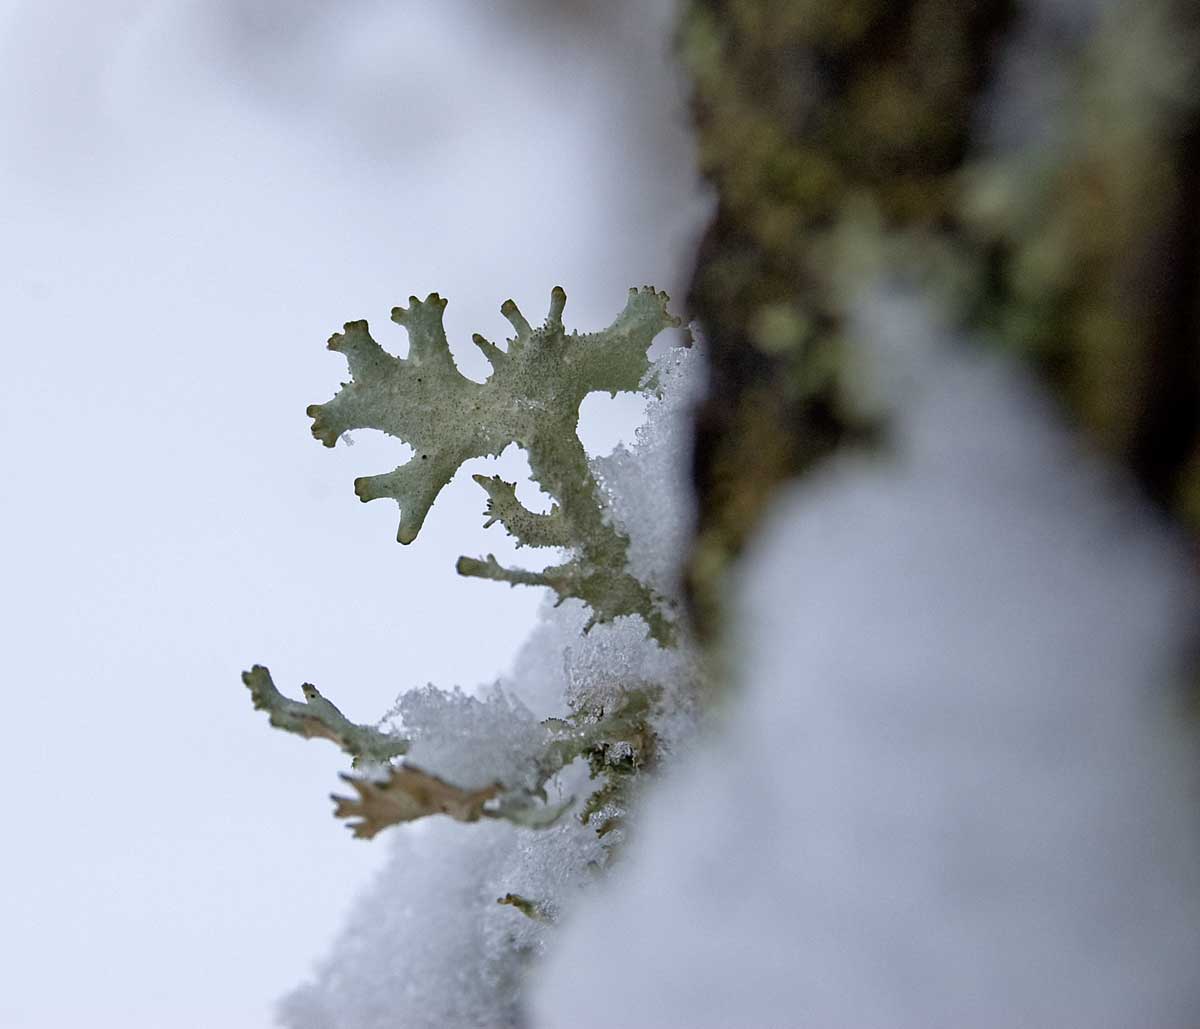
[(406, 794)]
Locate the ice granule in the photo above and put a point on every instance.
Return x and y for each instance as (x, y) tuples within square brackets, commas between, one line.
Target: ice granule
[(469, 741), (646, 486), (428, 946)]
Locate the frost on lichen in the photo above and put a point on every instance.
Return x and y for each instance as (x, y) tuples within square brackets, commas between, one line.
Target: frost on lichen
[(493, 760), (531, 398), (491, 757)]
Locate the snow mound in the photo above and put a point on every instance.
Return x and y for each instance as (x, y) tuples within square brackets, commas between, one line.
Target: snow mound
[(958, 785)]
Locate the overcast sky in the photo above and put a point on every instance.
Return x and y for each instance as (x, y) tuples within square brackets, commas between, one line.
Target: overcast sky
[(193, 195)]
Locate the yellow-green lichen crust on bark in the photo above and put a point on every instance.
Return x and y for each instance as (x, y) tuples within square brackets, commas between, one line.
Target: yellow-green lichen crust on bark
[(1094, 243), (807, 114)]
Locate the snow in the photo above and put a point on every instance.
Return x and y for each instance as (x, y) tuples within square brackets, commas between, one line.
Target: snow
[(957, 786), (469, 741), (427, 945), (646, 485)]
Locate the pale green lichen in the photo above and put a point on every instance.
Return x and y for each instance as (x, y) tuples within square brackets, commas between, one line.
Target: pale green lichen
[(316, 717), (531, 398), (615, 738)]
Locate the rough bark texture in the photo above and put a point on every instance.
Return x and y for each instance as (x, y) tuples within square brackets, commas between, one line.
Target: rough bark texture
[(804, 112), (813, 117), (1092, 239)]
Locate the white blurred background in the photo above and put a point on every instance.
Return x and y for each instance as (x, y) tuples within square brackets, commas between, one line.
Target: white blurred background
[(193, 195)]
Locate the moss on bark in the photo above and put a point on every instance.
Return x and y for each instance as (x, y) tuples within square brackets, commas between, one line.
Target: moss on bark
[(805, 111)]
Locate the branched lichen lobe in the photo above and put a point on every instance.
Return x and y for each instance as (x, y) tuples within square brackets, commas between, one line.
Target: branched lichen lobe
[(316, 717), (531, 398)]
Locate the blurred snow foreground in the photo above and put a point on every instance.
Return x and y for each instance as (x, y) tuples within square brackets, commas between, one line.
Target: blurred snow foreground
[(957, 787), (953, 785)]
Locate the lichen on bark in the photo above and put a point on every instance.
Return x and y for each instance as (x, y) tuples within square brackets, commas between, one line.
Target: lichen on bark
[(1080, 253), (1093, 240), (807, 114)]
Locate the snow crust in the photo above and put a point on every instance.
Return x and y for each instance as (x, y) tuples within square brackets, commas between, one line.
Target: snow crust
[(428, 945), (646, 486), (469, 741), (957, 785)]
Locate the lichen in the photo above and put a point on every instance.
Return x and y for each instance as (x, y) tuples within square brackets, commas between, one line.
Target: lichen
[(491, 758), (316, 717), (615, 738), (532, 399)]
